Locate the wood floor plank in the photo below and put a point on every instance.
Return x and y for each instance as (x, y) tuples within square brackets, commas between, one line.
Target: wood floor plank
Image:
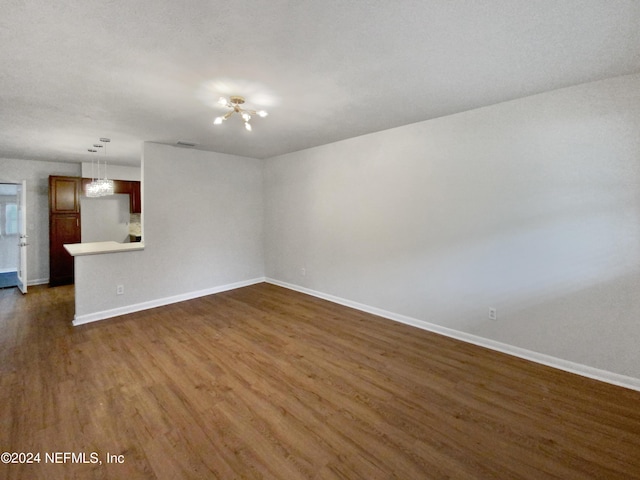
[(263, 382)]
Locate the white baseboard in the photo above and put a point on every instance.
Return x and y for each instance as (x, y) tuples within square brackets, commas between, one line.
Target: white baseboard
[(579, 369), (94, 317), (8, 270)]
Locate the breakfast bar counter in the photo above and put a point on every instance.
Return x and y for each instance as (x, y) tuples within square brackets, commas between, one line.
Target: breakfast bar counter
[(95, 248)]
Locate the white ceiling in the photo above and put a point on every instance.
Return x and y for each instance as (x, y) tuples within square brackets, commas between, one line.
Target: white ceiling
[(326, 70)]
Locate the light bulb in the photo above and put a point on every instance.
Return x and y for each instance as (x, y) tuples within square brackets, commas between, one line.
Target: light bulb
[(246, 117), (222, 101), (262, 113), (247, 125), (218, 120)]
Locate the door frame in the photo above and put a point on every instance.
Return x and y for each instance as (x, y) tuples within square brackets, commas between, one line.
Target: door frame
[(21, 244), (22, 233)]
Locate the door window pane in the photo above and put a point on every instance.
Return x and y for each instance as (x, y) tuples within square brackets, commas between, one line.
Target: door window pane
[(11, 219)]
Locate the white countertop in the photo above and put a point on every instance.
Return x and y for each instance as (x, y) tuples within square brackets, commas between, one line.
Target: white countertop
[(95, 248)]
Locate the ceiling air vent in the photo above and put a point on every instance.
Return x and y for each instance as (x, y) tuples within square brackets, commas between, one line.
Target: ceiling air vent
[(186, 144)]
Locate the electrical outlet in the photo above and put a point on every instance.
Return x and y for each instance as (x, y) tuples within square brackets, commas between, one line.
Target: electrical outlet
[(493, 314), (120, 290)]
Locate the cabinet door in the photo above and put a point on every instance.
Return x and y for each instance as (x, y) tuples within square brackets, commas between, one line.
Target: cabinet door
[(83, 185), (64, 194), (136, 200), (122, 186), (64, 228)]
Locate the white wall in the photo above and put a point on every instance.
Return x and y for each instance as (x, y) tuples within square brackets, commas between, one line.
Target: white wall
[(105, 218), (202, 230), (114, 172), (530, 206), (36, 173)]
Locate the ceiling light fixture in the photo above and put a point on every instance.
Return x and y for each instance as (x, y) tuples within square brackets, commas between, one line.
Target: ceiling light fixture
[(234, 103)]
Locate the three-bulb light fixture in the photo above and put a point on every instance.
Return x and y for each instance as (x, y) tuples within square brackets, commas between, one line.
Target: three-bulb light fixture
[(100, 187), (234, 103)]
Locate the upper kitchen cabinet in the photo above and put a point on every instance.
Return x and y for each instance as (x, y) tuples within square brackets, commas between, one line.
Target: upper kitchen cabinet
[(132, 188), (64, 194)]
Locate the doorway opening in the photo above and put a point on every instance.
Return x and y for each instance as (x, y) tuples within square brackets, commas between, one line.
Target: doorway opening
[(13, 235), (9, 235)]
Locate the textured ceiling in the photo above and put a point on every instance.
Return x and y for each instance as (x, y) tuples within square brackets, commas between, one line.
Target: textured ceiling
[(74, 71)]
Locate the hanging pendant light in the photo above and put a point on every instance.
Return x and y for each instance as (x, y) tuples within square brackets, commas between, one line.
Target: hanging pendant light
[(100, 187)]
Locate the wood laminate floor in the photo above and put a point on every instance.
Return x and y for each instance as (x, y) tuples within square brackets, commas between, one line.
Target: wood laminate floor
[(263, 382)]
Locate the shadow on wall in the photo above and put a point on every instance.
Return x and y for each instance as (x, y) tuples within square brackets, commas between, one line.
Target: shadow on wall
[(564, 276), (592, 324), (515, 256)]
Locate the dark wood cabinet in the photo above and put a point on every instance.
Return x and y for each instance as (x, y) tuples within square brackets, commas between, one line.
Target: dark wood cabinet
[(135, 198), (122, 186), (84, 182), (64, 226), (131, 188), (64, 194)]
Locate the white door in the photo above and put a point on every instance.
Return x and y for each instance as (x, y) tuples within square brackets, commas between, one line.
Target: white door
[(22, 232)]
